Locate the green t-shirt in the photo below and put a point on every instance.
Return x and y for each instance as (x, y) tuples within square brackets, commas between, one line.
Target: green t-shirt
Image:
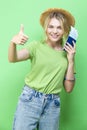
[(48, 67)]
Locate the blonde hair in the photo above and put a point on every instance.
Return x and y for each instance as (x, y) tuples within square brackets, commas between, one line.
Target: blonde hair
[(61, 18)]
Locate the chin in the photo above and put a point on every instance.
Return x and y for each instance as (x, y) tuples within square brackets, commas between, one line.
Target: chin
[(54, 40)]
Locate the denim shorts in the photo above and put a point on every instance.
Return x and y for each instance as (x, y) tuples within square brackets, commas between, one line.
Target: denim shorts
[(36, 110)]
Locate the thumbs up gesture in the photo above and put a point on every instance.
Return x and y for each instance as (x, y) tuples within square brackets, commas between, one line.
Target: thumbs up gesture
[(20, 38)]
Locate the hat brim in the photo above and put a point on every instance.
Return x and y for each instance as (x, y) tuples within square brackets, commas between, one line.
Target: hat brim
[(68, 15)]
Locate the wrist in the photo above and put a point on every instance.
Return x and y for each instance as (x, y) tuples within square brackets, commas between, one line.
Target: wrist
[(70, 79), (12, 42), (71, 62)]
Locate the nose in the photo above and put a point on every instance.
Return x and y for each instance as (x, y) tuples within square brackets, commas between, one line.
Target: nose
[(55, 30)]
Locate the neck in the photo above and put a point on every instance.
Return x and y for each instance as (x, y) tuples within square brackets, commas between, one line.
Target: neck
[(55, 44)]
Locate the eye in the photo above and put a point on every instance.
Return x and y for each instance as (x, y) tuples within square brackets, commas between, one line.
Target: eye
[(59, 27), (50, 26)]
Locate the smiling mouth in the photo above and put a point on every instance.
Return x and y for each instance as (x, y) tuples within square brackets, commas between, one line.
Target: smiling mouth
[(54, 36)]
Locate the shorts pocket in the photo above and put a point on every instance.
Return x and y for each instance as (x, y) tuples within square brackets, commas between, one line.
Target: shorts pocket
[(57, 102), (26, 96)]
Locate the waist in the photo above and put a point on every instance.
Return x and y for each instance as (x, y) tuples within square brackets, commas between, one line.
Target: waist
[(40, 94)]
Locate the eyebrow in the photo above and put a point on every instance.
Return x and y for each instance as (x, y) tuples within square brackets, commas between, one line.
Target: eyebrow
[(53, 25)]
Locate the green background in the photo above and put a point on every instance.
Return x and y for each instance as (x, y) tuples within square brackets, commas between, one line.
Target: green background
[(27, 12)]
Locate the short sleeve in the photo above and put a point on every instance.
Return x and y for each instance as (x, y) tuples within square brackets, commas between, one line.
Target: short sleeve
[(31, 47)]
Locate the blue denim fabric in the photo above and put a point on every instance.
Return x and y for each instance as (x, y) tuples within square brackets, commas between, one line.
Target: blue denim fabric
[(36, 109)]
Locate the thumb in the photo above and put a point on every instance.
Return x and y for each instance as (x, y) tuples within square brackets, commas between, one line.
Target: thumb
[(21, 29)]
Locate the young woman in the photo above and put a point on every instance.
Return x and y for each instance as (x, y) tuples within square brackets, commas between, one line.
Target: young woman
[(52, 67)]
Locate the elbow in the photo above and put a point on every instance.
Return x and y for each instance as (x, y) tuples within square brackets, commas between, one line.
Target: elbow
[(11, 60), (69, 90), (69, 86)]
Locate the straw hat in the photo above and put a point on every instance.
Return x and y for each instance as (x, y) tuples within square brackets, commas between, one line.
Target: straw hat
[(67, 14)]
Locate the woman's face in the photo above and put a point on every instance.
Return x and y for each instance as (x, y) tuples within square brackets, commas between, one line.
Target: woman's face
[(54, 30)]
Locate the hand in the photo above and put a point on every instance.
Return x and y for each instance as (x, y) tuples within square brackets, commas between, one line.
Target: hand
[(70, 51), (20, 38)]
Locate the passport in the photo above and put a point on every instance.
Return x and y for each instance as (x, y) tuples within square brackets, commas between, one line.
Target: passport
[(73, 35)]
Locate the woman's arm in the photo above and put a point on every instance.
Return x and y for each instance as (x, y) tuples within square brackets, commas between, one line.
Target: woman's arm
[(19, 39), (69, 80)]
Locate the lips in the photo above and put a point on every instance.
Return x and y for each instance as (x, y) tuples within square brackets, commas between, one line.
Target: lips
[(54, 36)]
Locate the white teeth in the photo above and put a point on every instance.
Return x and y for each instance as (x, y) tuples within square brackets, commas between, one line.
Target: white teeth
[(54, 36)]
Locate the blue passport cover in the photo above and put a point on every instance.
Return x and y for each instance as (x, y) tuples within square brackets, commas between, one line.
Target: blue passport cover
[(70, 40)]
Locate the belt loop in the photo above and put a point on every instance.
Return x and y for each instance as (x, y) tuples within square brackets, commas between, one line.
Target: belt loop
[(35, 93), (52, 96)]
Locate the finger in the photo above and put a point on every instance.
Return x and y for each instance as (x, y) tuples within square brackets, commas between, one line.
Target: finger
[(66, 48), (69, 45), (23, 40), (25, 36), (74, 44), (69, 49), (21, 29)]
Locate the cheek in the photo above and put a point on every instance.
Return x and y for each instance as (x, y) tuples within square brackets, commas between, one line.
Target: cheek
[(48, 31), (62, 32)]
